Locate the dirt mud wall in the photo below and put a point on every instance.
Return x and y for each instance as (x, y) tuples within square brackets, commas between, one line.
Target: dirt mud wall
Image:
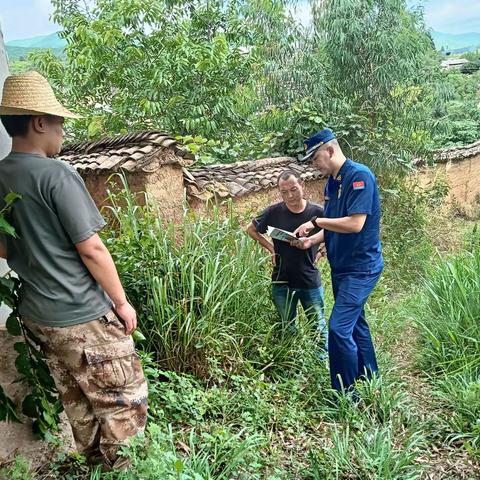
[(165, 186)]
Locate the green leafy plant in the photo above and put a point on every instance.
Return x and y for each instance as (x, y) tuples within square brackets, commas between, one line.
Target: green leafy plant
[(8, 201), (370, 453), (119, 59), (460, 395), (456, 118), (7, 296), (449, 315), (20, 470), (447, 319), (42, 404)]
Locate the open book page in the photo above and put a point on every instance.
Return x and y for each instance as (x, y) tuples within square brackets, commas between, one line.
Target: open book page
[(280, 234)]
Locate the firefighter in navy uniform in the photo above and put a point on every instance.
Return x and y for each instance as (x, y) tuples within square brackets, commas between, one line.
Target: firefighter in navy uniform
[(351, 231)]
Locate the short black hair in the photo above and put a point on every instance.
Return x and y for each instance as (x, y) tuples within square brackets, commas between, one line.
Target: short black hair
[(16, 125), (286, 174)]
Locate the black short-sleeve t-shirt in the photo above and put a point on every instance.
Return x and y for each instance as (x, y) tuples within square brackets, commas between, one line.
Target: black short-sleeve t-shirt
[(294, 267)]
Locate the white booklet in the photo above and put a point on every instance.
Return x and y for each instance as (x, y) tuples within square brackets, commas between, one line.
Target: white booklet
[(280, 234)]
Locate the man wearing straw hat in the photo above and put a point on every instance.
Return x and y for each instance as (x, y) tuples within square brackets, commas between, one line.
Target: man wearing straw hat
[(71, 296)]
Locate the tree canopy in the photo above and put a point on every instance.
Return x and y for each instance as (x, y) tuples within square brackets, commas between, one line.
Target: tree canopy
[(240, 79)]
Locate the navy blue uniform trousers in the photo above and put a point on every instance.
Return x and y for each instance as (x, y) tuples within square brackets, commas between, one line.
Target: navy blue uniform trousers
[(350, 347)]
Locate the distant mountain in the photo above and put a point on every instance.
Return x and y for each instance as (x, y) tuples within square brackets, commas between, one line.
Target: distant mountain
[(19, 49), (21, 53), (43, 41), (449, 41), (462, 42)]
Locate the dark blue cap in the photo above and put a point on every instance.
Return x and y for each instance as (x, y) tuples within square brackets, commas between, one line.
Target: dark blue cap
[(316, 141)]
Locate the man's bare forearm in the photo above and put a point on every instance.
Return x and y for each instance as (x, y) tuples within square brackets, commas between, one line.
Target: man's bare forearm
[(317, 238), (252, 232), (3, 250), (351, 224), (99, 263)]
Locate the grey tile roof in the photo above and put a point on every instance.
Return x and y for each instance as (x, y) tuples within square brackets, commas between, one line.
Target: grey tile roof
[(135, 152), (241, 178), (451, 154), (132, 152), (457, 153)]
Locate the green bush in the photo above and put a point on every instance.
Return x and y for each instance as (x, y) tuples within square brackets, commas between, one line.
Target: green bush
[(407, 247), (456, 117), (202, 291)]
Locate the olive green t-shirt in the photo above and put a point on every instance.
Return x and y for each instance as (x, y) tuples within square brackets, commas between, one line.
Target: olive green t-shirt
[(55, 213)]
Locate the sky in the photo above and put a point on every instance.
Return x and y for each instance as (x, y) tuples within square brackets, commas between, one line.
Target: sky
[(29, 18)]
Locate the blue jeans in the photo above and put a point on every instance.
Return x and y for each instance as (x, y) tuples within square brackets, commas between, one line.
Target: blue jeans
[(351, 351), (286, 300)]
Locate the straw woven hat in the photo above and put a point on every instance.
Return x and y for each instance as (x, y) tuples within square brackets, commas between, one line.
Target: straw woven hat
[(31, 94)]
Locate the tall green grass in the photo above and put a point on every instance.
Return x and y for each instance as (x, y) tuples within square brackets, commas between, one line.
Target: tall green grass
[(450, 315), (201, 288), (448, 318), (374, 453), (460, 395), (202, 291)]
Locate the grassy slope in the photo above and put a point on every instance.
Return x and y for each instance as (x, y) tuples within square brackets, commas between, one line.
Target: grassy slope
[(273, 418)]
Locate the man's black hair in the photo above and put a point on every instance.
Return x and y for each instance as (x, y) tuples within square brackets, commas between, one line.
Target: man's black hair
[(16, 125), (286, 174)]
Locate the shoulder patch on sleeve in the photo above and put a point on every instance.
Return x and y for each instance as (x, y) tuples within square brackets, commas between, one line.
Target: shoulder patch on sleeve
[(359, 185)]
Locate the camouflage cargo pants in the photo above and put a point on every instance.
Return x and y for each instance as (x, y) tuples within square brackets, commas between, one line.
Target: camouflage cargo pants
[(100, 381)]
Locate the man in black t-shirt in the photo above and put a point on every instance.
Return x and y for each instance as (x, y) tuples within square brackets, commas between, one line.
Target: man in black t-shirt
[(295, 277)]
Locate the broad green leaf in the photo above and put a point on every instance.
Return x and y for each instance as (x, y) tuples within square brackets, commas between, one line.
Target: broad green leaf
[(22, 363), (11, 197), (29, 406), (7, 282), (6, 228), (21, 347), (44, 375), (13, 325)]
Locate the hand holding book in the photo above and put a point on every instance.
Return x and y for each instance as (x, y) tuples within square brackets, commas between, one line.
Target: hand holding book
[(279, 234), (289, 237)]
